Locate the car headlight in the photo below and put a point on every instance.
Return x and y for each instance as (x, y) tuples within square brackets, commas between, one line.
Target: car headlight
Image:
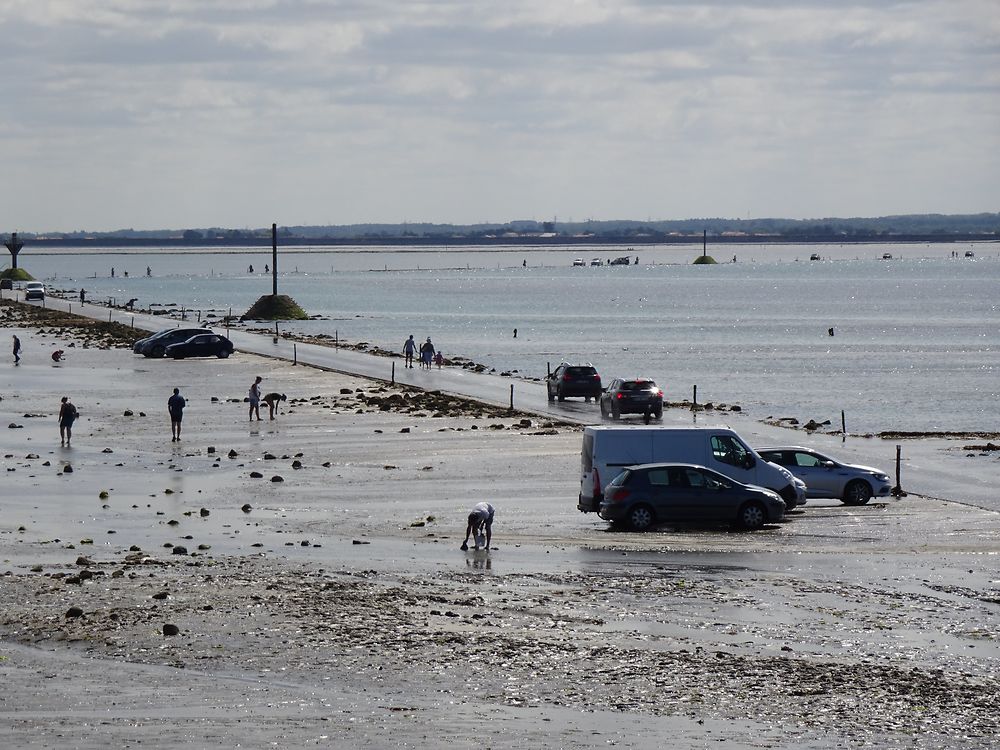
[(799, 483), (881, 477)]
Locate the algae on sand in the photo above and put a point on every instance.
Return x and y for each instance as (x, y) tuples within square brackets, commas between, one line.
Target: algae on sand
[(275, 307), (16, 274)]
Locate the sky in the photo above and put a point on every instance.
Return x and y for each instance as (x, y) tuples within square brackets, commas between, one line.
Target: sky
[(152, 114)]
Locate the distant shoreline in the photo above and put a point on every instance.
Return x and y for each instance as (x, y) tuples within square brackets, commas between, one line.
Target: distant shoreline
[(373, 244)]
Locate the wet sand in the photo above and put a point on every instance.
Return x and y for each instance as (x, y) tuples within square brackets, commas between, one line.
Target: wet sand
[(337, 609)]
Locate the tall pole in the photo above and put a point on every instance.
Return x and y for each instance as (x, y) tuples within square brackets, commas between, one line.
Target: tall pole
[(274, 260), (704, 242)]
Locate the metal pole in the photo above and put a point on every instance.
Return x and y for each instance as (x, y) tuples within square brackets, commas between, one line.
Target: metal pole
[(694, 398), (843, 423), (512, 397), (704, 242), (295, 354), (133, 321), (274, 259), (393, 379)]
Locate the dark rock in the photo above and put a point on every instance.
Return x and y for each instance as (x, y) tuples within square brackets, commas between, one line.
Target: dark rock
[(169, 629), (256, 475), (161, 595), (128, 413), (67, 469), (277, 478), (246, 508), (204, 512), (73, 612), (296, 464), (179, 550), (107, 450), (233, 454)]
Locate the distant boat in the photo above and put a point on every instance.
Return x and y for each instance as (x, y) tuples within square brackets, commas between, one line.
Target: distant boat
[(969, 254), (814, 256), (579, 262)]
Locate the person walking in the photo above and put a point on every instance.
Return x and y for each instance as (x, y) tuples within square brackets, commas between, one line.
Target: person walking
[(175, 405), (426, 353), (480, 526), (67, 416), (409, 347), (17, 350), (83, 295), (272, 399), (255, 399)]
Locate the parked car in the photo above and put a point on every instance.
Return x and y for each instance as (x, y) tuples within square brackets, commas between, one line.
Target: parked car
[(645, 495), (596, 262), (607, 450), (567, 381), (202, 345), (639, 396), (827, 478), (579, 262), (34, 290), (156, 345), (622, 260)]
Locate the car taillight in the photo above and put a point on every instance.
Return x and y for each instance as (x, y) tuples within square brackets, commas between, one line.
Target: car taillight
[(597, 483), (617, 494), (620, 395), (567, 377), (659, 393)]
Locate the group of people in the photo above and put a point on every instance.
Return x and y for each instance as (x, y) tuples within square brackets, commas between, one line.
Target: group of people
[(271, 399), (428, 354)]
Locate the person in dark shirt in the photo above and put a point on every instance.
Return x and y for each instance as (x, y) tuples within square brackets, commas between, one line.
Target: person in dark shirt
[(272, 399), (175, 405)]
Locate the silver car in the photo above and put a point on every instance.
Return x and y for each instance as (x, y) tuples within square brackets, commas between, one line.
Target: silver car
[(826, 477)]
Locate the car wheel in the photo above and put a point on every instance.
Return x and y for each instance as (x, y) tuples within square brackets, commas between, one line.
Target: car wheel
[(616, 413), (752, 516), (560, 396), (223, 354), (550, 395), (658, 413), (640, 517), (157, 351), (857, 492), (604, 410)]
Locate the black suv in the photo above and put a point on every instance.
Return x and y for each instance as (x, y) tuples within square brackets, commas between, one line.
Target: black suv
[(639, 396), (573, 380)]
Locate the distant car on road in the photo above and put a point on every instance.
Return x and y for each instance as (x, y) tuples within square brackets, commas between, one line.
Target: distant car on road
[(642, 496), (622, 260), (639, 396), (579, 262), (156, 345), (568, 380), (826, 477), (202, 345), (596, 262), (34, 290)]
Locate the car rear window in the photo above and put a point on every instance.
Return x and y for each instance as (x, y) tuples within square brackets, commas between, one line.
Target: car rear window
[(637, 385), (580, 372), (621, 479)]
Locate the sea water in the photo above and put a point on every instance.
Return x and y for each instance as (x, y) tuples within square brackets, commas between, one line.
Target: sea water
[(914, 347)]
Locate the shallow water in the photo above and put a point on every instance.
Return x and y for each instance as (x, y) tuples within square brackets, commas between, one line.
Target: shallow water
[(915, 346)]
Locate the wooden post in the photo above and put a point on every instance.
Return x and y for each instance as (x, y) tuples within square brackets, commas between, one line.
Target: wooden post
[(109, 313), (704, 242), (295, 354), (512, 397), (274, 260), (897, 491), (843, 423), (694, 397), (392, 381), (133, 321), (548, 369), (336, 339)]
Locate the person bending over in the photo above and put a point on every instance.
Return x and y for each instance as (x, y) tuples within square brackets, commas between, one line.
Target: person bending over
[(272, 399), (480, 526)]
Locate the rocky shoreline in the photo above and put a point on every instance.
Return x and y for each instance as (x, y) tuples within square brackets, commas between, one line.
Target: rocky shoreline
[(333, 607)]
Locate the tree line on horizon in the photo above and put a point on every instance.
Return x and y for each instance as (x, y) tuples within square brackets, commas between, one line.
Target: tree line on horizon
[(845, 229)]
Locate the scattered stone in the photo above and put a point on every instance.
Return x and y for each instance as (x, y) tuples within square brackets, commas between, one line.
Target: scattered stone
[(359, 541), (107, 450), (296, 464), (256, 475), (277, 478), (204, 512), (233, 453), (169, 629), (67, 469), (128, 413), (246, 508), (161, 595), (73, 612), (179, 550)]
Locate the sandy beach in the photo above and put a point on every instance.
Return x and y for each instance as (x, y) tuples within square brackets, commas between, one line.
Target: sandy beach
[(310, 568)]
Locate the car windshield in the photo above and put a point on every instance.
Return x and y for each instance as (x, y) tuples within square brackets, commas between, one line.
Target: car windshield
[(637, 385)]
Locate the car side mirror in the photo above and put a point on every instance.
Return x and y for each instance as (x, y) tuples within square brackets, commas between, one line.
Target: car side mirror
[(829, 465), (749, 462)]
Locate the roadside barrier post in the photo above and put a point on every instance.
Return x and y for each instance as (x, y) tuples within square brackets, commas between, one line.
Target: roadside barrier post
[(392, 381), (843, 425), (694, 398), (897, 491), (512, 397), (295, 354)]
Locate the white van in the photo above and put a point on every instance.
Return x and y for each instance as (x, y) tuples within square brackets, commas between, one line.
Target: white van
[(608, 450)]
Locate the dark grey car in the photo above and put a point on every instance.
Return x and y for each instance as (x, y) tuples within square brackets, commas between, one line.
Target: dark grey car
[(156, 345), (645, 495)]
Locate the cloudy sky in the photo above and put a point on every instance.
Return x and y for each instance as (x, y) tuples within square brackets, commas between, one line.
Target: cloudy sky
[(236, 113)]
